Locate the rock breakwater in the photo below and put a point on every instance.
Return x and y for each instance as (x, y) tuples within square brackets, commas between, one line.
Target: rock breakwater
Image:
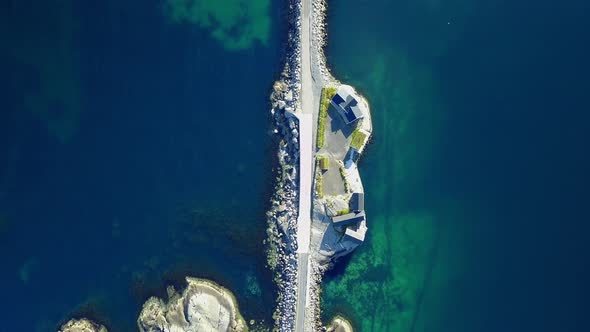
[(282, 215)]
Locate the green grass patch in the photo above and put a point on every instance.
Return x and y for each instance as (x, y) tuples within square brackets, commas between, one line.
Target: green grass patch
[(319, 185), (327, 94), (343, 175), (343, 211), (358, 139)]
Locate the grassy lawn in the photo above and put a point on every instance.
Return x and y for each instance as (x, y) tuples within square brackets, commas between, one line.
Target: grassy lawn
[(327, 94), (358, 139), (343, 211), (321, 162), (343, 175), (319, 185)]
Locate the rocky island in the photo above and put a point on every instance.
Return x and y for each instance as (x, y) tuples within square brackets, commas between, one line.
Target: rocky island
[(202, 306), (82, 325)]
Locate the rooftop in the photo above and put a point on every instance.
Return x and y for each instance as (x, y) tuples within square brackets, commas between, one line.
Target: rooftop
[(357, 236), (347, 105), (357, 202)]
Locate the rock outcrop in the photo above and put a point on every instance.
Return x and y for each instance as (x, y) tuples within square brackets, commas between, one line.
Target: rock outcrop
[(339, 324), (202, 306), (82, 325)]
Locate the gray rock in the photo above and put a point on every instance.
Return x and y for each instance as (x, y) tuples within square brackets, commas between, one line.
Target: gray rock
[(82, 325)]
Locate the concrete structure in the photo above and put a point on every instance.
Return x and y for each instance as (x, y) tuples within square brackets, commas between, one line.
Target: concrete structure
[(304, 215), (305, 181), (346, 103), (357, 202), (348, 219), (357, 236)]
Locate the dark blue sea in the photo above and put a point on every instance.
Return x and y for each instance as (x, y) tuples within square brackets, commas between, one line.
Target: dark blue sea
[(477, 175), (134, 150)]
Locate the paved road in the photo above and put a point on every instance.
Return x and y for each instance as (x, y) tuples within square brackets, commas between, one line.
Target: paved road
[(306, 148), (302, 278), (304, 215), (306, 78)]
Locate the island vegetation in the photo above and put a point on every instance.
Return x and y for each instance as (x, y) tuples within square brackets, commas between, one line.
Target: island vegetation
[(358, 139), (319, 185), (327, 94)]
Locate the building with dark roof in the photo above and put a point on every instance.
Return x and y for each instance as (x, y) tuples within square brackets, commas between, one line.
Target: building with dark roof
[(357, 202), (346, 105)]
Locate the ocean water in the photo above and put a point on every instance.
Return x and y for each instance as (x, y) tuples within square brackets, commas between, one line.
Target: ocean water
[(134, 150), (476, 178)]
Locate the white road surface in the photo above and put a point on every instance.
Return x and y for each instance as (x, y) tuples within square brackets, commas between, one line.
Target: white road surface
[(306, 148)]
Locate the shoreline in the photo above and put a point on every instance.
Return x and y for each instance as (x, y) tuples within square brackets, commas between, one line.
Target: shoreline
[(202, 305)]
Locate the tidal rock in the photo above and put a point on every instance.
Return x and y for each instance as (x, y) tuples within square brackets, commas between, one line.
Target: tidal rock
[(339, 324), (82, 325)]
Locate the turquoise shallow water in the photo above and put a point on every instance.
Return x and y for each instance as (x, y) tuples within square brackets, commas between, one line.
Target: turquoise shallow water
[(134, 150), (476, 179)]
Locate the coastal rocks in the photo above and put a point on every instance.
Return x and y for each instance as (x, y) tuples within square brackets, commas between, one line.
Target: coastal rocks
[(202, 306), (318, 39), (282, 215), (339, 324), (82, 325), (315, 280)]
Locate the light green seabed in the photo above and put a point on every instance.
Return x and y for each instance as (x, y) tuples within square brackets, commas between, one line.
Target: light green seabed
[(236, 24), (413, 253)]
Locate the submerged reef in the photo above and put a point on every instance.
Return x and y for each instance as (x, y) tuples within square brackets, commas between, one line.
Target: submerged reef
[(236, 24)]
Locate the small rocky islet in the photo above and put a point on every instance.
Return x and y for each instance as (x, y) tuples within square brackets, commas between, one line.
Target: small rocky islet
[(202, 306)]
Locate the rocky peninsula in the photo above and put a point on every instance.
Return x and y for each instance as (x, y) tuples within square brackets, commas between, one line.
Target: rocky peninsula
[(317, 212)]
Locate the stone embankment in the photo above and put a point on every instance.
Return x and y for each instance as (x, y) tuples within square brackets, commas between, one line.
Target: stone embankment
[(282, 216), (319, 36)]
